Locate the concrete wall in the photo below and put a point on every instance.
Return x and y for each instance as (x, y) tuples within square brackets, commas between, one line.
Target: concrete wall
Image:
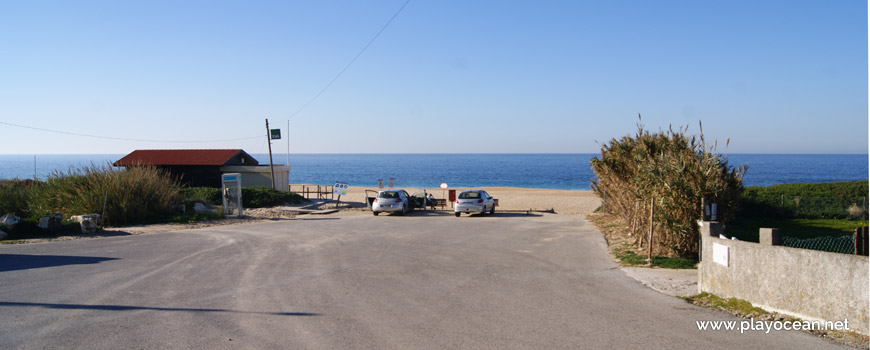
[(810, 284), (260, 175)]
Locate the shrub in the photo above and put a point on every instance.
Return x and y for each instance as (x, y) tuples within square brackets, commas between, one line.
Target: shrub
[(14, 196), (261, 197), (252, 197), (129, 195), (677, 172), (206, 195)]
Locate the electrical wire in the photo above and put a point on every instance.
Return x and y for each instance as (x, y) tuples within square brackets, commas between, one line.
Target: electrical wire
[(316, 96), (351, 61), (122, 138)]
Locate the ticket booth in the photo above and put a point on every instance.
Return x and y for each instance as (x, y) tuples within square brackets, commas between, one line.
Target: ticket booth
[(232, 194)]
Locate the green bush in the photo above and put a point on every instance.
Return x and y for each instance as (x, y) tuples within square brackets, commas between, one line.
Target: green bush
[(205, 195), (261, 197), (26, 228), (252, 197), (14, 197)]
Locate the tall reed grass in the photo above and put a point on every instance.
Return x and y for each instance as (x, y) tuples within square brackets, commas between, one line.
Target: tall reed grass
[(129, 195), (672, 172)]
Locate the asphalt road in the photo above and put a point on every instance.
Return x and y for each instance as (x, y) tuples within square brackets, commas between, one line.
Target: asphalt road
[(425, 281)]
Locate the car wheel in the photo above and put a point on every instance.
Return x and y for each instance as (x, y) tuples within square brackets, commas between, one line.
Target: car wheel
[(492, 211), (457, 214), (375, 213), (402, 212), (483, 211)]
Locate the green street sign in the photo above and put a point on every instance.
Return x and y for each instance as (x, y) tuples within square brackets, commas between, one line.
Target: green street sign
[(275, 134)]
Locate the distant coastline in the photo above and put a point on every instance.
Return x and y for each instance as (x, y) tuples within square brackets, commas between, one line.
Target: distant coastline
[(567, 171)]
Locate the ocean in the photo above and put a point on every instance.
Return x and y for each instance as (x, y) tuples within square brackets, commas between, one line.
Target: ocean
[(552, 171)]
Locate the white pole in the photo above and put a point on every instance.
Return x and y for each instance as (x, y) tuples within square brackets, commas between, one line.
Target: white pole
[(288, 153)]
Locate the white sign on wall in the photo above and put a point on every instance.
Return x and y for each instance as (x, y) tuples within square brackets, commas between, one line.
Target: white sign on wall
[(720, 254)]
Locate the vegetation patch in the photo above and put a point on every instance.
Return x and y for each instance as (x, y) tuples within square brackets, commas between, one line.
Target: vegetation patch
[(659, 181), (744, 309), (136, 195), (252, 197), (123, 195), (737, 307), (621, 245), (746, 229), (833, 200), (628, 257)]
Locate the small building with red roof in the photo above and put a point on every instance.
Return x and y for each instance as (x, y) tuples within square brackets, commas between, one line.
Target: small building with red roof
[(203, 167)]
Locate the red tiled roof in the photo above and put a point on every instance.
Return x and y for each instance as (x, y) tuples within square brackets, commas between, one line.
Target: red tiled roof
[(214, 157)]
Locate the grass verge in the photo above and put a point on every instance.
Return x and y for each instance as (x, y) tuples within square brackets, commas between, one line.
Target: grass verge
[(630, 258), (620, 244), (744, 309)]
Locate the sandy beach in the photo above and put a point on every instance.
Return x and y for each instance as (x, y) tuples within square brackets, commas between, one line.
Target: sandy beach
[(569, 202)]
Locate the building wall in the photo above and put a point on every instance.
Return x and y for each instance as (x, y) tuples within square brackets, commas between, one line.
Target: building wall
[(195, 176), (810, 284), (260, 175)]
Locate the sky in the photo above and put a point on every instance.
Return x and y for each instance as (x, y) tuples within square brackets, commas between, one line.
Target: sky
[(440, 77)]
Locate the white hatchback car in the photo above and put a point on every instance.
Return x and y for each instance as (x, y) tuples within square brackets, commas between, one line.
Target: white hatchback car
[(396, 201), (474, 202)]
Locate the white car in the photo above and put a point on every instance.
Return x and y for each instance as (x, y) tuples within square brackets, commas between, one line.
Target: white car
[(474, 202), (395, 201)]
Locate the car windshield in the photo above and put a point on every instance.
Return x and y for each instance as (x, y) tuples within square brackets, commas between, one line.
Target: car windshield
[(469, 195), (388, 195)]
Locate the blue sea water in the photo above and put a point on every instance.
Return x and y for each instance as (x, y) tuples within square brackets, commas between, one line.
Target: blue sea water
[(554, 171)]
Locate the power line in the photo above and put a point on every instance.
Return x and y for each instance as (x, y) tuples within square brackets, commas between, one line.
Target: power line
[(351, 61), (122, 138)]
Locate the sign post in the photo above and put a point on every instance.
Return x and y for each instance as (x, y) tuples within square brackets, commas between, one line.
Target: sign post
[(339, 189), (269, 136), (443, 187)]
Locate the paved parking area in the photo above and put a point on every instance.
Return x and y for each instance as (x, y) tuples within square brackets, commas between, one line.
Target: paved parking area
[(427, 280)]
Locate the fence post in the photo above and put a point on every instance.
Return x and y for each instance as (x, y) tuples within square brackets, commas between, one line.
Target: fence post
[(652, 210), (861, 241), (769, 236)]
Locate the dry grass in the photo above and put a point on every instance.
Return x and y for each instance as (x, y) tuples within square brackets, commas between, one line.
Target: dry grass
[(663, 178)]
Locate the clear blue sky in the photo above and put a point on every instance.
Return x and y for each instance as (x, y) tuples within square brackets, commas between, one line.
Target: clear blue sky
[(444, 77)]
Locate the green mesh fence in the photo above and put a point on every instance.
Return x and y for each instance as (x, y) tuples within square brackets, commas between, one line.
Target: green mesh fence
[(841, 244)]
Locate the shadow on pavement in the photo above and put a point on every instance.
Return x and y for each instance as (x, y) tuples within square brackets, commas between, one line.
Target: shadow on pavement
[(313, 219), (11, 262), (133, 308), (503, 215)]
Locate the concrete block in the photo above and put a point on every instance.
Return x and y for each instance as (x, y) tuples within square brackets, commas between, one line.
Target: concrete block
[(51, 223), (87, 222), (9, 220), (202, 208), (711, 228), (769, 236)]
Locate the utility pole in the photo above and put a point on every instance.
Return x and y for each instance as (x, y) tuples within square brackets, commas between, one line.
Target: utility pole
[(288, 154), (271, 167)]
